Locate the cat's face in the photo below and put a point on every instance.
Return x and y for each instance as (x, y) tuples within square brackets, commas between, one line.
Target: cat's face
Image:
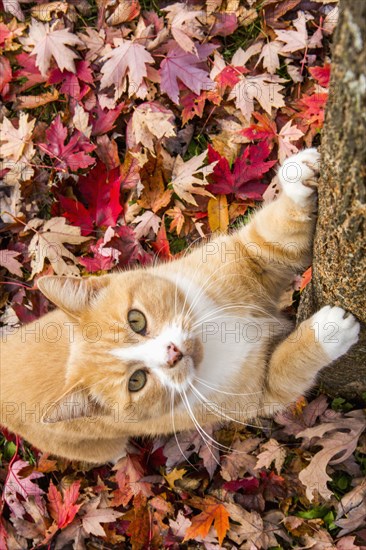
[(134, 346)]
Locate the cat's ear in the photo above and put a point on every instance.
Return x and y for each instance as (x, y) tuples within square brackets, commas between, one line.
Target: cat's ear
[(72, 294), (75, 403)]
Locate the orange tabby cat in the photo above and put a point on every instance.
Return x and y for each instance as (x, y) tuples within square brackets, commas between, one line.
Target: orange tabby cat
[(176, 345)]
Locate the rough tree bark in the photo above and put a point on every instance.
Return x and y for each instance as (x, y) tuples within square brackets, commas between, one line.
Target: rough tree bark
[(339, 265)]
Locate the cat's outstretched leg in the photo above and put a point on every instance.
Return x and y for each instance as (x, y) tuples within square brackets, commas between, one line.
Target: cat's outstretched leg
[(295, 362), (279, 236)]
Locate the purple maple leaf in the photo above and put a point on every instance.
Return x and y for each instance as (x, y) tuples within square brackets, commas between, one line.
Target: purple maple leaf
[(186, 68)]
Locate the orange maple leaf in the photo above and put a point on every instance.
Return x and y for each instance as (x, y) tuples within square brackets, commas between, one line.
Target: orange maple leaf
[(213, 512), (306, 278)]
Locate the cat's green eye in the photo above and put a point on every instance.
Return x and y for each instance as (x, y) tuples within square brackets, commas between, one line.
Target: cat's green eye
[(137, 380), (137, 321)]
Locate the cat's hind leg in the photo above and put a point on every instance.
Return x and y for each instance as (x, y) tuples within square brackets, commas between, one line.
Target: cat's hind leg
[(297, 360)]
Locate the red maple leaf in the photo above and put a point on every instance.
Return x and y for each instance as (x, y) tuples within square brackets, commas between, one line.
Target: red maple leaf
[(248, 484), (73, 85), (312, 109), (245, 178), (125, 241), (99, 198), (71, 155), (101, 191), (3, 535), (5, 76), (99, 262), (229, 76), (29, 71), (77, 214), (4, 33), (103, 120), (104, 256), (62, 507), (321, 74)]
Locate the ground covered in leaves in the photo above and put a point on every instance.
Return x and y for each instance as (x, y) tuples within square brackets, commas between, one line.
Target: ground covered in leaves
[(129, 130)]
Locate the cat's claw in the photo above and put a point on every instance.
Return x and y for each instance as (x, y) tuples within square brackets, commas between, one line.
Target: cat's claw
[(336, 330), (298, 175)]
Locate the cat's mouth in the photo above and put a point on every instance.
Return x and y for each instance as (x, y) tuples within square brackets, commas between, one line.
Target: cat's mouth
[(183, 372)]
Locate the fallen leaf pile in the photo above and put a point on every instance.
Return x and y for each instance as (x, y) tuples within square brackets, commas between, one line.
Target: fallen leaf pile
[(128, 130)]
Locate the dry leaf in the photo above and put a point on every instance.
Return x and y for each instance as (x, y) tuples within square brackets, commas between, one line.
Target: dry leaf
[(184, 178), (126, 10), (240, 461), (146, 222), (45, 12), (351, 512), (274, 452), (126, 58), (15, 141), (249, 527), (8, 260), (34, 101), (269, 56), (81, 121), (48, 243), (264, 88), (184, 25), (149, 125), (338, 441), (46, 43), (94, 516)]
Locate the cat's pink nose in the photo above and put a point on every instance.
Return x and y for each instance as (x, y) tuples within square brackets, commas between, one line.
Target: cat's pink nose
[(174, 355)]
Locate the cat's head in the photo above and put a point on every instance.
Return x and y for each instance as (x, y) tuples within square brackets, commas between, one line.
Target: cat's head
[(132, 344)]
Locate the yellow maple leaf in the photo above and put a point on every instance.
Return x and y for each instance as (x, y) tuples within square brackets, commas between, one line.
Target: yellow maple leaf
[(174, 475), (218, 214)]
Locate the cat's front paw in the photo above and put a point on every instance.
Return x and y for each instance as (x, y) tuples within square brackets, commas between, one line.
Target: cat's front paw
[(336, 330), (298, 175)]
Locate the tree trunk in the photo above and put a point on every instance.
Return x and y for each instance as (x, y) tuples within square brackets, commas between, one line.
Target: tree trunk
[(339, 265)]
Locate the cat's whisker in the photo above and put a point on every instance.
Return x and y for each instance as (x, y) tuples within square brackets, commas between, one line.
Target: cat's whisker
[(215, 314), (187, 292), (221, 414), (199, 428), (239, 305), (175, 296), (177, 276), (214, 443), (218, 314), (174, 430), (204, 286), (216, 389)]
